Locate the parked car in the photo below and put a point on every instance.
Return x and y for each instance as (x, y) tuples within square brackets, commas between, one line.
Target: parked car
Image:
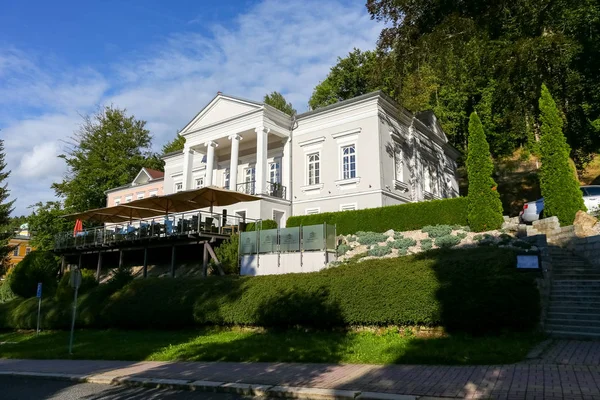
[(533, 210)]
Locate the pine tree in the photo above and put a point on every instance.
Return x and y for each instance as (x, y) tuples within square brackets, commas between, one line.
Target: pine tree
[(6, 207), (485, 207), (560, 188)]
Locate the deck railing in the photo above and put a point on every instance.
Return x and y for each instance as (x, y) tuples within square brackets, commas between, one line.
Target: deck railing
[(171, 225), (273, 189)]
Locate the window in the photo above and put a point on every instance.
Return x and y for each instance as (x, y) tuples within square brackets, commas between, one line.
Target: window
[(592, 191), (349, 162), (427, 177), (178, 187), (226, 178), (314, 168), (153, 193), (348, 207), (274, 175), (310, 211), (128, 198), (434, 180), (140, 195), (199, 182), (249, 178), (27, 250), (399, 165), (117, 201), (16, 252)]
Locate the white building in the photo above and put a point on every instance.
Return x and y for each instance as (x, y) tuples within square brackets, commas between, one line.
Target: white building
[(360, 153)]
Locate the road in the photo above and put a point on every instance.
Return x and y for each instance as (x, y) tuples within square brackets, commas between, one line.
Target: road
[(16, 388)]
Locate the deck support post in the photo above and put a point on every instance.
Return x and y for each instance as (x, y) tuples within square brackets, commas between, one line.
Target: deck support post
[(173, 262), (204, 260), (121, 256), (63, 265), (145, 262), (80, 260), (99, 268)]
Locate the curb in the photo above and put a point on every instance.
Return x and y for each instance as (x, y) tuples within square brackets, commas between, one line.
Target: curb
[(247, 389)]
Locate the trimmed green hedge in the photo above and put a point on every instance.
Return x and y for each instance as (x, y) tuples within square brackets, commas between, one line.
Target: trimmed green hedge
[(404, 217), (473, 290)]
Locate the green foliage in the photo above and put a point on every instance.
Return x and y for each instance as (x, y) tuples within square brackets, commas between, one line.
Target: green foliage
[(456, 58), (402, 243), (485, 207), (6, 208), (425, 289), (277, 100), (6, 294), (447, 241), (478, 237), (45, 222), (461, 235), (264, 225), (227, 253), (358, 73), (342, 249), (435, 231), (108, 151), (560, 188), (65, 292), (404, 217), (174, 145), (426, 244), (37, 266), (370, 238), (379, 251)]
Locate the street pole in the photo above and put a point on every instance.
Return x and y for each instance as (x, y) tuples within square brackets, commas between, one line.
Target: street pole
[(39, 296), (73, 320)]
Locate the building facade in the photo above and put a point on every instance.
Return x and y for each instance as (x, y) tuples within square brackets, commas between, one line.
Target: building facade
[(147, 183), (19, 244), (360, 153)]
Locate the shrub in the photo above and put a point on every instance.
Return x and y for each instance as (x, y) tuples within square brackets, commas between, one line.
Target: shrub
[(369, 238), (435, 231), (37, 266), (404, 217), (342, 249), (461, 235), (424, 289), (5, 293), (485, 207), (478, 237), (426, 244), (264, 224), (380, 251), (65, 292), (558, 181), (227, 253), (447, 241), (403, 243)]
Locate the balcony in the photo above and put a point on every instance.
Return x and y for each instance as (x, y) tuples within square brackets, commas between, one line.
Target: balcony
[(273, 189)]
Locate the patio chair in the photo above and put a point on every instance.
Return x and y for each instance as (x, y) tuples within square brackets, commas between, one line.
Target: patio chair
[(168, 227)]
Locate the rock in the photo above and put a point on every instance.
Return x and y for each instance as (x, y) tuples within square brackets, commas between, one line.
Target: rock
[(389, 233), (584, 224)]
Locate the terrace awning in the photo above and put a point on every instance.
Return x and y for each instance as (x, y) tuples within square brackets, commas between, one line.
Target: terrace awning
[(162, 205)]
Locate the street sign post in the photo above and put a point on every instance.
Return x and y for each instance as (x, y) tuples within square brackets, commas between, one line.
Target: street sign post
[(39, 296), (75, 283)]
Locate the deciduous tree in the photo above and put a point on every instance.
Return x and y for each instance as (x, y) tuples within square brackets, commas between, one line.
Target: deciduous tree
[(277, 100), (176, 144), (6, 208)]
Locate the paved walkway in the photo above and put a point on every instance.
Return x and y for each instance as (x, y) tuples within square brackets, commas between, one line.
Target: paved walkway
[(565, 370)]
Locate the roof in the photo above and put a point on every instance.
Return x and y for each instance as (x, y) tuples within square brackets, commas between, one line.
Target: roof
[(155, 174), (172, 153), (343, 103)]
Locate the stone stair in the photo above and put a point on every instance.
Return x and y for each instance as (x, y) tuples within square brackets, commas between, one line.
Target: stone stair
[(574, 308)]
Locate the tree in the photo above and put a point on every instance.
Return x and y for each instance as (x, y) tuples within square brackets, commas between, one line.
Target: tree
[(485, 207), (277, 100), (176, 144), (6, 208), (45, 222), (356, 74), (108, 151), (558, 182)]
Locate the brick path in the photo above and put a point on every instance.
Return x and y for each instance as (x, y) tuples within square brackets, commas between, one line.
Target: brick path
[(566, 370)]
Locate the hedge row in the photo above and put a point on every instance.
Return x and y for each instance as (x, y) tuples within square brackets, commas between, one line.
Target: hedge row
[(474, 290), (404, 217)]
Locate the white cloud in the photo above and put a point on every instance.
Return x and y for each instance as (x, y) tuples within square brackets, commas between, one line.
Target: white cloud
[(283, 46)]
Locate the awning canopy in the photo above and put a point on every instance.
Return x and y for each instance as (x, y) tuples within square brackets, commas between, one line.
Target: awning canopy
[(162, 205)]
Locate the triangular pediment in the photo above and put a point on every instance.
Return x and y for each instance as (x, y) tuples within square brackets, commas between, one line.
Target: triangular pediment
[(142, 177), (221, 108)]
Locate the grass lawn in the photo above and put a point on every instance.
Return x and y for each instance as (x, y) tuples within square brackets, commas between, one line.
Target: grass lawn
[(386, 346)]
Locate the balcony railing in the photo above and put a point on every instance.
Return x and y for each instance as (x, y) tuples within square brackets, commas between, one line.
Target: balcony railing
[(273, 189), (180, 224)]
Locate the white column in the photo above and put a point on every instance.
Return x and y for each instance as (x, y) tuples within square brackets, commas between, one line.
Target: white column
[(233, 164), (286, 167), (261, 158), (210, 162), (188, 162)]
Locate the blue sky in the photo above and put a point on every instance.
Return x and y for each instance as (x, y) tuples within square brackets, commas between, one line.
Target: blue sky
[(162, 60)]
